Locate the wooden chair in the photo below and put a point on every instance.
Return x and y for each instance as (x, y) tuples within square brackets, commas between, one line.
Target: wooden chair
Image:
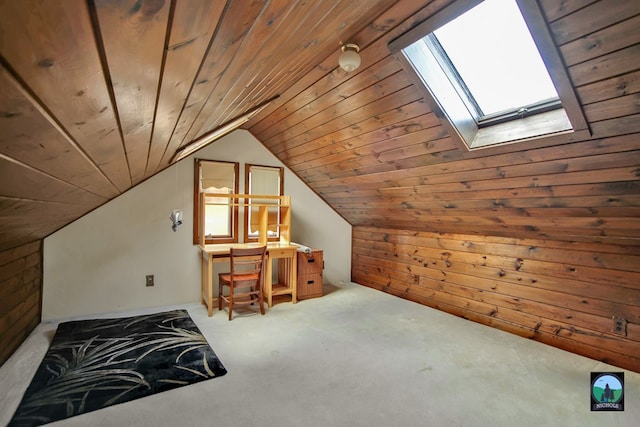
[(245, 281)]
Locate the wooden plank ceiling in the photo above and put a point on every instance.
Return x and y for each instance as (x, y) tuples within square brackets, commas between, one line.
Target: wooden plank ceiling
[(97, 95)]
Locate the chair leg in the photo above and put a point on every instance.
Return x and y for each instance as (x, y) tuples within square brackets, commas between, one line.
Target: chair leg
[(230, 301), (219, 296), (261, 303)]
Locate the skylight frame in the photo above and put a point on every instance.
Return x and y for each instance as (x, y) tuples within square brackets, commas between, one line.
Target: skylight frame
[(493, 130), (466, 94)]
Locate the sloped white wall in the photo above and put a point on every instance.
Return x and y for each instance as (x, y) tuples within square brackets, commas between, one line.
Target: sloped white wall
[(98, 263)]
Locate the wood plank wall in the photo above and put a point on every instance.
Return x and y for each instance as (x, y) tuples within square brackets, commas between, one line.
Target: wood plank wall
[(539, 238), (20, 295), (559, 293), (509, 243)]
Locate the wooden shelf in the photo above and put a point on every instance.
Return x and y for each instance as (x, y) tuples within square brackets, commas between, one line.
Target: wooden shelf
[(283, 203)]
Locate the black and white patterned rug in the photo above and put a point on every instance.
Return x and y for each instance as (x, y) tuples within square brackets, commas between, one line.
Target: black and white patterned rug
[(92, 364)]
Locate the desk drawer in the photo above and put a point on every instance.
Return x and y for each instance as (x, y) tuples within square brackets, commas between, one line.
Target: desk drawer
[(310, 263), (280, 253), (309, 286)]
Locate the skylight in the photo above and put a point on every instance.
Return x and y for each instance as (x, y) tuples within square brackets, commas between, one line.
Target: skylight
[(492, 50), (491, 72)]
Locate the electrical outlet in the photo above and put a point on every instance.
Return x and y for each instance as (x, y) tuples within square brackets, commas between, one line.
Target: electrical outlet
[(150, 280), (620, 326)]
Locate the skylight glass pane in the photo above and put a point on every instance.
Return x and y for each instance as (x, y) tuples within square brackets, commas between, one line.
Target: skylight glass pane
[(493, 52)]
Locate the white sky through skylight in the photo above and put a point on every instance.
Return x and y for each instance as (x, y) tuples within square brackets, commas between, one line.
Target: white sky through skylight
[(495, 55)]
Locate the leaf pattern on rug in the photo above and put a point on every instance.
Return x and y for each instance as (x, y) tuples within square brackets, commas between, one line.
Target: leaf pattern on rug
[(92, 364)]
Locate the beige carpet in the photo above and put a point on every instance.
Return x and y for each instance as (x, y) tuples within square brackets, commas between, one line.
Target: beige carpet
[(356, 357)]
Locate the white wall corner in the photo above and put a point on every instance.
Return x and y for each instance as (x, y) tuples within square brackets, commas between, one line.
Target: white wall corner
[(98, 263)]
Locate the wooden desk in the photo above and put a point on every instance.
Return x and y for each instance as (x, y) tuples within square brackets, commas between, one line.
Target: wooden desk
[(221, 252)]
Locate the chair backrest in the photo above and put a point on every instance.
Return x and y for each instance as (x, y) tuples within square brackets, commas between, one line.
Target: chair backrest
[(248, 261)]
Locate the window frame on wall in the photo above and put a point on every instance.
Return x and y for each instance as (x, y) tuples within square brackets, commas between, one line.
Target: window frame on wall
[(232, 226), (248, 189), (445, 94)]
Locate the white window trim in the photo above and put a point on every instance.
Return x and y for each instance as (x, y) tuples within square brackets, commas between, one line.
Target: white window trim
[(451, 109)]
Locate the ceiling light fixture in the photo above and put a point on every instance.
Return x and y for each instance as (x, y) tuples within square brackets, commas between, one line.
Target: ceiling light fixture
[(219, 132), (349, 59)]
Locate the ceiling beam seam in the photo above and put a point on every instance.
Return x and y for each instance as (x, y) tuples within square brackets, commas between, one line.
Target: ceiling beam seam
[(97, 36), (167, 39), (52, 177), (193, 84), (23, 88)]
